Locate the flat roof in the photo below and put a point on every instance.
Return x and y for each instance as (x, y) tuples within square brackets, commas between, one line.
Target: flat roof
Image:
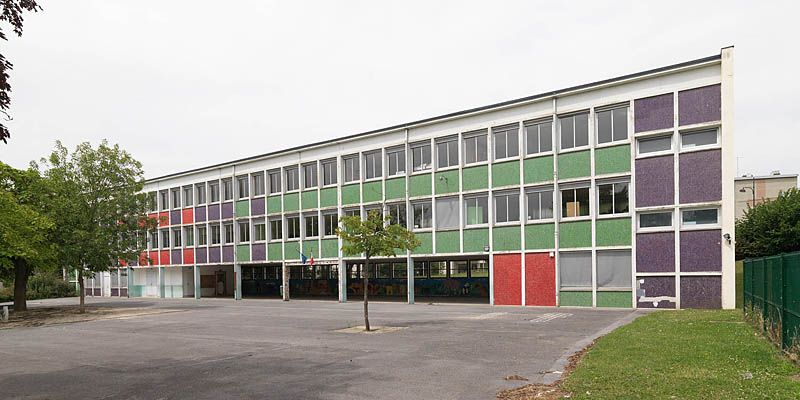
[(453, 114), (779, 176)]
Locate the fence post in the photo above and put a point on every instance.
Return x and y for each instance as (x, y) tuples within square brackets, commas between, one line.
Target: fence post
[(764, 303), (784, 282)]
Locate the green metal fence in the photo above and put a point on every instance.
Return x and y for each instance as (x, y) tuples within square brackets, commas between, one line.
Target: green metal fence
[(772, 297)]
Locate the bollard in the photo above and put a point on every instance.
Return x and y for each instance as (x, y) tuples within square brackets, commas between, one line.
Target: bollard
[(5, 314)]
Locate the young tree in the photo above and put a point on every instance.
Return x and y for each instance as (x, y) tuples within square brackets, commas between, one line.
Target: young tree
[(770, 228), (375, 236), (99, 208)]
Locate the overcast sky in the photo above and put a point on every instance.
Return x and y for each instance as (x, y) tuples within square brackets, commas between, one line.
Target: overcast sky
[(183, 84)]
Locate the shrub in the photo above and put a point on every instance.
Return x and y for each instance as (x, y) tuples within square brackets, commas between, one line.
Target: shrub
[(6, 294), (770, 228), (47, 286)]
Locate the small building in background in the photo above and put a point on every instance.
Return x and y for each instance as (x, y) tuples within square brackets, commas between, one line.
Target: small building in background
[(751, 190)]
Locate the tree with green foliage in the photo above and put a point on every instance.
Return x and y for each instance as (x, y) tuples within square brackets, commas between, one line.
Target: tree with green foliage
[(770, 228), (25, 228), (99, 208), (374, 236)]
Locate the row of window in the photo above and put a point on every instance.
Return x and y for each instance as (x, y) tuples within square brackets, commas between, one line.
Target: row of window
[(379, 270), (688, 141)]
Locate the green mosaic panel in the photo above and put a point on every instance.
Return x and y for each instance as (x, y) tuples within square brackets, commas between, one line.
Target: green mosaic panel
[(538, 169), (291, 202), (575, 234), (273, 204), (505, 174), (242, 208), (243, 252), (330, 248), (275, 251), (540, 236), (574, 165), (614, 299), (612, 160), (613, 232), (292, 251), (447, 242), (373, 191), (506, 238), (446, 181), (575, 299), (395, 188), (476, 178), (328, 198), (426, 243), (475, 240), (350, 194), (419, 185), (309, 199)]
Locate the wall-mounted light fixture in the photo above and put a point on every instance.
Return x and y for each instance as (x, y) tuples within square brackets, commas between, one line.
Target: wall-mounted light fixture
[(727, 237), (486, 248)]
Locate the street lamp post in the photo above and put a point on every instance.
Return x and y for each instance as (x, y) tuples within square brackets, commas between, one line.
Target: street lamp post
[(752, 189)]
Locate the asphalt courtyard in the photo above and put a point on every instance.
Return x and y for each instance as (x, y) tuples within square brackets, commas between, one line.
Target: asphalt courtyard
[(269, 349)]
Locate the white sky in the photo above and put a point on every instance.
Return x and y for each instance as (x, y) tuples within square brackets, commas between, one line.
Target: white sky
[(183, 84)]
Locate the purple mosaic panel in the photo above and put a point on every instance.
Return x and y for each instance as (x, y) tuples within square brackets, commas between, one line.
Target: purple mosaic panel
[(700, 176), (227, 253), (257, 206), (655, 252), (655, 181), (214, 255), (213, 212), (259, 252), (703, 104), (200, 214), (656, 286), (701, 292), (227, 210), (701, 251), (200, 255), (176, 257), (175, 217), (653, 113)]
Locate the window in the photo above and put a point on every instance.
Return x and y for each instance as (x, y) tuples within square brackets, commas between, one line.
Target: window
[(422, 215), (310, 175), (312, 226), (575, 202), (351, 173), (475, 148), (242, 186), (479, 269), (292, 179), (293, 227), (397, 161), (506, 142), (476, 210), (275, 229), (540, 205), (227, 189), (459, 269), (397, 213), (202, 237), (576, 270), (187, 196), (447, 152), (229, 233), (400, 270), (612, 125), (188, 236), (215, 234), (656, 144), (447, 213), (421, 156), (164, 238), (538, 137), (260, 231), (176, 238), (370, 209), (506, 207), (700, 217), (698, 139), (153, 239), (373, 166), (329, 172), (213, 191), (421, 269), (612, 198), (258, 184), (352, 212), (274, 182), (200, 189), (152, 202), (164, 200), (244, 232), (655, 220), (614, 269), (331, 221), (176, 198), (574, 131)]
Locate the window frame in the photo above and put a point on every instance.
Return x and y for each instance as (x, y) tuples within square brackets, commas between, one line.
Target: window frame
[(201, 239), (275, 235), (244, 230), (613, 183), (449, 143), (475, 135), (176, 236), (538, 124), (256, 224), (295, 171), (227, 189), (505, 130), (539, 191), (200, 193), (326, 224), (476, 197), (376, 156), (163, 200), (350, 175), (656, 153), (314, 225), (451, 199), (404, 214), (574, 188), (175, 198), (573, 116), (216, 239), (188, 195), (670, 227), (226, 229), (277, 186), (508, 195), (289, 225), (423, 205), (717, 143), (685, 226), (334, 173), (314, 173), (259, 184), (423, 167), (214, 192), (611, 109), (399, 154), (242, 187), (188, 236)]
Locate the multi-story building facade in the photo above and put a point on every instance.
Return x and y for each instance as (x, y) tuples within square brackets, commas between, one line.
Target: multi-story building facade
[(617, 193), (751, 190)]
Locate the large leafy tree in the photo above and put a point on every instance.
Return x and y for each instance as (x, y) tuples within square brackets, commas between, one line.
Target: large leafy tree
[(374, 236), (10, 12), (769, 228), (25, 228), (99, 207)]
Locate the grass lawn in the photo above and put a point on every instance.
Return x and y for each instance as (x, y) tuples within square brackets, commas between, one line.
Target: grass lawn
[(689, 354)]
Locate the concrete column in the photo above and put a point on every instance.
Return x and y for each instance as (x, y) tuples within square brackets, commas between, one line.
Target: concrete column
[(237, 281), (128, 281), (285, 284), (161, 279), (342, 281), (197, 288), (410, 278)]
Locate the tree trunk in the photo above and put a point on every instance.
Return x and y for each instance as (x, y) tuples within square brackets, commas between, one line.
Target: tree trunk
[(82, 285), (21, 274), (366, 291)]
